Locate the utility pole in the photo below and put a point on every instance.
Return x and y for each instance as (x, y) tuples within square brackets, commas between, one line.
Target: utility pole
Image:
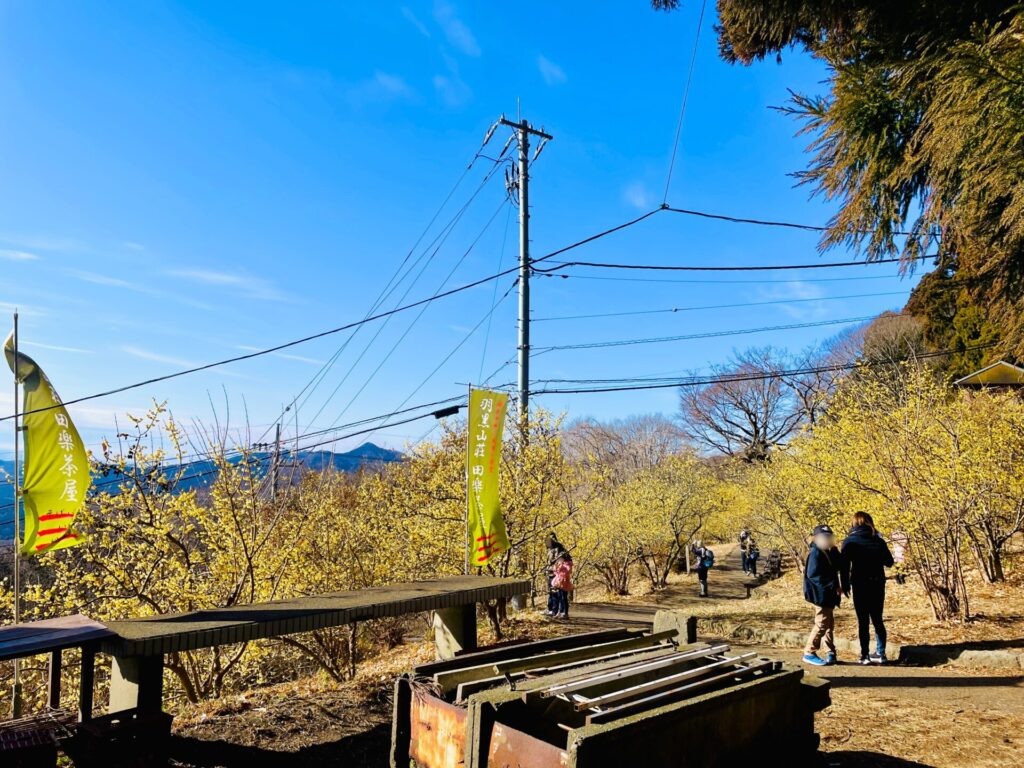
[(277, 461), (523, 131)]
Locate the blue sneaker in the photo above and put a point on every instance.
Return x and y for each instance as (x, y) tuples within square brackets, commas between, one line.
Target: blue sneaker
[(814, 659), (831, 660)]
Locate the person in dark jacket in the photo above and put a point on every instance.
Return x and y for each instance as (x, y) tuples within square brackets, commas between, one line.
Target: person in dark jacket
[(705, 560), (823, 587), (865, 558)]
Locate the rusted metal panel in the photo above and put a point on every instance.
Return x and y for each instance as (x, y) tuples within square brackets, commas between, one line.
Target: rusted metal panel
[(511, 748), (437, 736)]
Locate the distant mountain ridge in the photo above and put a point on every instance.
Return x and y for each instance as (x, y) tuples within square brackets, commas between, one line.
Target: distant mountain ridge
[(197, 473)]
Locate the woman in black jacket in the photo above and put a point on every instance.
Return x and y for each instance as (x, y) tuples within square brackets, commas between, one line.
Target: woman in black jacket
[(866, 556)]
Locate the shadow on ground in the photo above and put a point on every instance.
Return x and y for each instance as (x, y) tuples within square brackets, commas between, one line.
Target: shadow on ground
[(900, 681), (853, 759), (369, 748)]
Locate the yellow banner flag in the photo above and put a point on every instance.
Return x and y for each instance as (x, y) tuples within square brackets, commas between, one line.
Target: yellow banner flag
[(487, 536), (56, 474)]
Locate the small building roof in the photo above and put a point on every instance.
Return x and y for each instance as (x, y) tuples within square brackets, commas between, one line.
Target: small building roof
[(998, 374)]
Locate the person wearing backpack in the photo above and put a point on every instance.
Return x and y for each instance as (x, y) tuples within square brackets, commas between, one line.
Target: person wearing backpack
[(866, 555), (752, 555), (562, 582), (823, 588), (705, 560), (554, 550)]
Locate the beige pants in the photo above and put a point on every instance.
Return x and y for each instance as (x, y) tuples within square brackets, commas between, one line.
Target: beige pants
[(823, 632)]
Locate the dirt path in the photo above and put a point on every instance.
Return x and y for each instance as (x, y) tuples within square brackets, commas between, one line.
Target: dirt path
[(726, 582), (930, 717)]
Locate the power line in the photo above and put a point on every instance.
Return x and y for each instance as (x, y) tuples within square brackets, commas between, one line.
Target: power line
[(433, 248), (668, 280), (672, 310), (708, 335), (717, 268), (697, 382), (454, 349), (494, 296), (421, 302), (686, 96), (386, 291), (418, 316), (239, 452), (768, 222)]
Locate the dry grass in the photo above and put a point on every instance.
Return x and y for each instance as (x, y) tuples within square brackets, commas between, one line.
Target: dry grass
[(922, 731), (998, 611)]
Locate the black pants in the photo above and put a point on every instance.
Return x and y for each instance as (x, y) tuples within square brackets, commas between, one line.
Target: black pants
[(868, 602), (702, 579)]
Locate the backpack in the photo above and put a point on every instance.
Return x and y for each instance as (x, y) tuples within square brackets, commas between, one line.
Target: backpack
[(563, 575), (707, 558)]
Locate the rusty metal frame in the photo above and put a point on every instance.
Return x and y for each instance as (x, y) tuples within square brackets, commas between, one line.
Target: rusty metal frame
[(612, 713), (636, 668), (437, 731), (582, 702), (512, 748)]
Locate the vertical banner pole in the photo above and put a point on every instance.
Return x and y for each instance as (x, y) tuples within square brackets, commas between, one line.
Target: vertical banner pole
[(469, 443), (16, 689)]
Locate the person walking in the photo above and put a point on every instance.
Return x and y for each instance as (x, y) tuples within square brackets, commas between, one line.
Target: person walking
[(866, 555), (554, 549), (752, 554), (562, 582), (823, 588), (705, 560), (744, 538)]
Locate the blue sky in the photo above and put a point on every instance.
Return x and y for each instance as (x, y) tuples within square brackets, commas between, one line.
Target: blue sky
[(185, 182)]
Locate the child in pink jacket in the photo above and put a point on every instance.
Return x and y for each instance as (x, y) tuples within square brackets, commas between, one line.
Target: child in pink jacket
[(562, 582)]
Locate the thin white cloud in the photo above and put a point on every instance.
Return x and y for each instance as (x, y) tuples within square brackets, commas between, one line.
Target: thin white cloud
[(177, 362), (412, 19), (43, 242), (8, 255), (247, 285), (156, 357), (57, 347), (382, 87), (455, 30), (283, 355), (9, 307), (452, 90), (637, 195), (551, 72), (114, 282)]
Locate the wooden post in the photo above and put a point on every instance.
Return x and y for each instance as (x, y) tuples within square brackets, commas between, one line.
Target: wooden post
[(85, 693), (53, 692), (352, 637)]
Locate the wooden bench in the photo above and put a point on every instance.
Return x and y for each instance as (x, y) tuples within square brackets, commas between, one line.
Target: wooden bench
[(53, 637), (139, 645)]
